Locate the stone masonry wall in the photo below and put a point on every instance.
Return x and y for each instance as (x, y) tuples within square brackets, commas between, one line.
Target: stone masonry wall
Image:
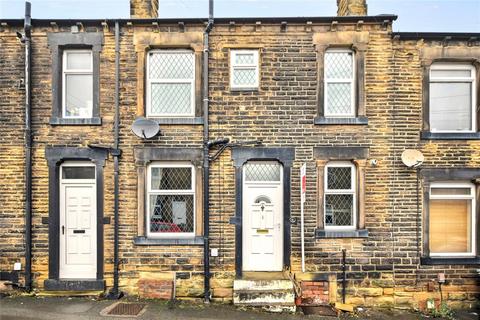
[(382, 269), (12, 106)]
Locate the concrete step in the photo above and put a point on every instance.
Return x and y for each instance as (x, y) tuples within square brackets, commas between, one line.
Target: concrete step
[(273, 295)]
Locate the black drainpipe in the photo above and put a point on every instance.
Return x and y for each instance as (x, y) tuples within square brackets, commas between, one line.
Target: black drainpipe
[(114, 292), (26, 39), (206, 164)]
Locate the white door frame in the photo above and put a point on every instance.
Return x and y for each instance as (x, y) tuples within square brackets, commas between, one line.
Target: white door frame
[(86, 271), (275, 191)]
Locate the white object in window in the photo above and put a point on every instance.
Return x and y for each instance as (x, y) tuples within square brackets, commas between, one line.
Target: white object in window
[(170, 200), (452, 219), (340, 196), (339, 86), (244, 72), (452, 97), (77, 84), (170, 83)]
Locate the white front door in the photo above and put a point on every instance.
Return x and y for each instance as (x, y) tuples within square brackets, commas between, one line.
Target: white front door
[(262, 216), (78, 224)]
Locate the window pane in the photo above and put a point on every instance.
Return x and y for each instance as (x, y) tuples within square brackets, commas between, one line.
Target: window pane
[(244, 77), (339, 178), (79, 60), (339, 98), (171, 213), (338, 65), (450, 73), (450, 226), (244, 58), (262, 172), (172, 65), (78, 172), (78, 95), (338, 209), (451, 106), (450, 191), (171, 178), (171, 98)]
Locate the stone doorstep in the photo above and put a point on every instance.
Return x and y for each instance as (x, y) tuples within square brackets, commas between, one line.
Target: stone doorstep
[(262, 285), (264, 297), (50, 293)]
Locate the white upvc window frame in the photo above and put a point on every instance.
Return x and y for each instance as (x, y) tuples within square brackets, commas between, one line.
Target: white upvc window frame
[(66, 71), (353, 191), (150, 191), (351, 80), (255, 65), (76, 164), (150, 81), (451, 185), (453, 66)]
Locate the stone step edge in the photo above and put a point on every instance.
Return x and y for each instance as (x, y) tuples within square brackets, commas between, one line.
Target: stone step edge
[(263, 287), (260, 304), (287, 291)]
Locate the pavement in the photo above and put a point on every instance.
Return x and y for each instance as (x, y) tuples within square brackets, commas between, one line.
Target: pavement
[(63, 308)]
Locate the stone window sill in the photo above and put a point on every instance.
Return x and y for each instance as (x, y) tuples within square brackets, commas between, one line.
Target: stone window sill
[(427, 135), (450, 261), (361, 120), (253, 89), (95, 121), (74, 285), (176, 121), (324, 234), (144, 241)]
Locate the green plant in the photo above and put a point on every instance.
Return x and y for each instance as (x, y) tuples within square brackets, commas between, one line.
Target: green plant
[(443, 311)]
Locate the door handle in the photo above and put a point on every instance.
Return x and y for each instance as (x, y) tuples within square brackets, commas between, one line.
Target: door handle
[(63, 229), (78, 231)]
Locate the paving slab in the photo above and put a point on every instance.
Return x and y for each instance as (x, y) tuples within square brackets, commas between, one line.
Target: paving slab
[(81, 308)]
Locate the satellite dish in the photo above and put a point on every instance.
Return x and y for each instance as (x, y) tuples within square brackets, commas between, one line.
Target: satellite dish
[(145, 128), (412, 158)]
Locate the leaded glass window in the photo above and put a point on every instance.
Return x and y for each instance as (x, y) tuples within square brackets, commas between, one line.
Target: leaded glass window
[(244, 69), (340, 195), (339, 83), (170, 83), (77, 79), (452, 97), (171, 200), (262, 171)]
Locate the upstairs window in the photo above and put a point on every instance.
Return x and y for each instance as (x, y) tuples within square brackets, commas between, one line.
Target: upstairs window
[(452, 225), (340, 196), (339, 97), (77, 80), (171, 200), (452, 98), (244, 72), (170, 83)]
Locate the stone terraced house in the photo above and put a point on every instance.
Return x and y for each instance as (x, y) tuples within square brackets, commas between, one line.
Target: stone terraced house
[(211, 206)]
